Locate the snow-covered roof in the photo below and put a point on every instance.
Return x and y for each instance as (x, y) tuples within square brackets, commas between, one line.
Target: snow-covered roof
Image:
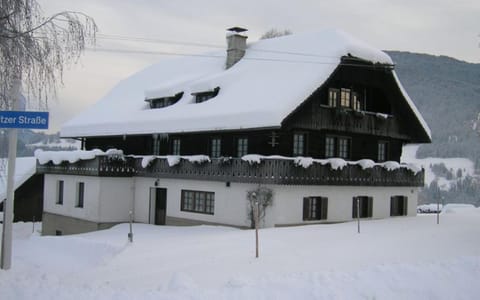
[(261, 90), (25, 167)]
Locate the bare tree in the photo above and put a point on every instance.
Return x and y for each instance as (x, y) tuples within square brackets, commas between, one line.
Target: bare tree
[(274, 33), (262, 196), (35, 49)]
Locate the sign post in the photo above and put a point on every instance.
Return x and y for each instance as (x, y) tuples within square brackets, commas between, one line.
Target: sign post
[(13, 120)]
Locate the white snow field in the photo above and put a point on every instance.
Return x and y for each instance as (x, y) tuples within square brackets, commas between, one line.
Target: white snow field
[(467, 166), (396, 258)]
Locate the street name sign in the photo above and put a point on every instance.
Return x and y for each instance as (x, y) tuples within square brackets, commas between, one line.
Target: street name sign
[(24, 119)]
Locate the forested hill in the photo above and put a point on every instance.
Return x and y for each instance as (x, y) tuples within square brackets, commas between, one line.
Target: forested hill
[(447, 93)]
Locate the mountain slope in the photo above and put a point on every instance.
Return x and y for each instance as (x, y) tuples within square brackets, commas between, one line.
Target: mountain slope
[(447, 93)]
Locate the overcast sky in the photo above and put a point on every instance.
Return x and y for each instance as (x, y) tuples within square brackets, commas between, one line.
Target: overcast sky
[(437, 27)]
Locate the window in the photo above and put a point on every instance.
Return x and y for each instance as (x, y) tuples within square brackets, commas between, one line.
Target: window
[(382, 151), (398, 206), (329, 146), (204, 96), (216, 147), (345, 97), (357, 104), (337, 146), (176, 147), (343, 147), (58, 232), (198, 202), (365, 204), (242, 147), (156, 145), (80, 194), (315, 208), (165, 101), (298, 144), (60, 185), (333, 97)]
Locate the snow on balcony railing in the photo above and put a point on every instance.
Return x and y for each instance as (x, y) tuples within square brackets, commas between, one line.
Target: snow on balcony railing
[(249, 168)]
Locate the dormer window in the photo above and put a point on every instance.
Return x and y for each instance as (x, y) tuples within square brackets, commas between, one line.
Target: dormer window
[(204, 96), (164, 101)]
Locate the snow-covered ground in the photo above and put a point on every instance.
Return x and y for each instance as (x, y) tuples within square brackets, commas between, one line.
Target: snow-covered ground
[(467, 166), (396, 258)]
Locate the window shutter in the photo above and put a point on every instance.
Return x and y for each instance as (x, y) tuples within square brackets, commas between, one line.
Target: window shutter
[(370, 206), (306, 206), (354, 208), (405, 205), (324, 208), (392, 206)]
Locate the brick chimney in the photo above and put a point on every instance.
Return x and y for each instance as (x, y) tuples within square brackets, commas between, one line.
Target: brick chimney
[(236, 45)]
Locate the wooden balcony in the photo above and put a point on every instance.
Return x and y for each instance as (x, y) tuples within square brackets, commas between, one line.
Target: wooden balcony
[(280, 171), (268, 171), (348, 120), (103, 166)]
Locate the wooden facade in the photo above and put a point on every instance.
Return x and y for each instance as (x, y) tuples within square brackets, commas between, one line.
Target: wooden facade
[(374, 112), (28, 204)]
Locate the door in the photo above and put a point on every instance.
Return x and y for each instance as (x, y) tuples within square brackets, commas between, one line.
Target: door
[(158, 206)]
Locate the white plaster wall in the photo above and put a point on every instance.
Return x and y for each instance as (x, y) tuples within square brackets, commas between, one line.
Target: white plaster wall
[(142, 198), (116, 199), (111, 199), (230, 202), (287, 208), (90, 210), (288, 202)]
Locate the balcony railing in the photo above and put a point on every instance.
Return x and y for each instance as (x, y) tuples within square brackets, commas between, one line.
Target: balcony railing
[(280, 171), (268, 171), (103, 166)]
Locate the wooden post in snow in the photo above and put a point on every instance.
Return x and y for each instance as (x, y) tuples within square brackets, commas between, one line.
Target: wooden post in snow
[(255, 219), (130, 234), (438, 208), (358, 214)]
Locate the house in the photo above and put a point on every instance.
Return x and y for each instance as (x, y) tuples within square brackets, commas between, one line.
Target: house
[(311, 126), (28, 187)]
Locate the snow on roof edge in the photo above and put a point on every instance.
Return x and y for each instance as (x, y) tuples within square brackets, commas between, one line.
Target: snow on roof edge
[(412, 106), (25, 167)]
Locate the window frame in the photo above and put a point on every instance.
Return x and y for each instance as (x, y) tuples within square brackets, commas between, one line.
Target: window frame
[(80, 195), (315, 208), (330, 146), (201, 202), (344, 153), (398, 209), (242, 146), (60, 188), (366, 207), (333, 97), (164, 101), (216, 147), (156, 141), (176, 146), (384, 151), (345, 97), (334, 147), (299, 144), (201, 97), (356, 102)]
